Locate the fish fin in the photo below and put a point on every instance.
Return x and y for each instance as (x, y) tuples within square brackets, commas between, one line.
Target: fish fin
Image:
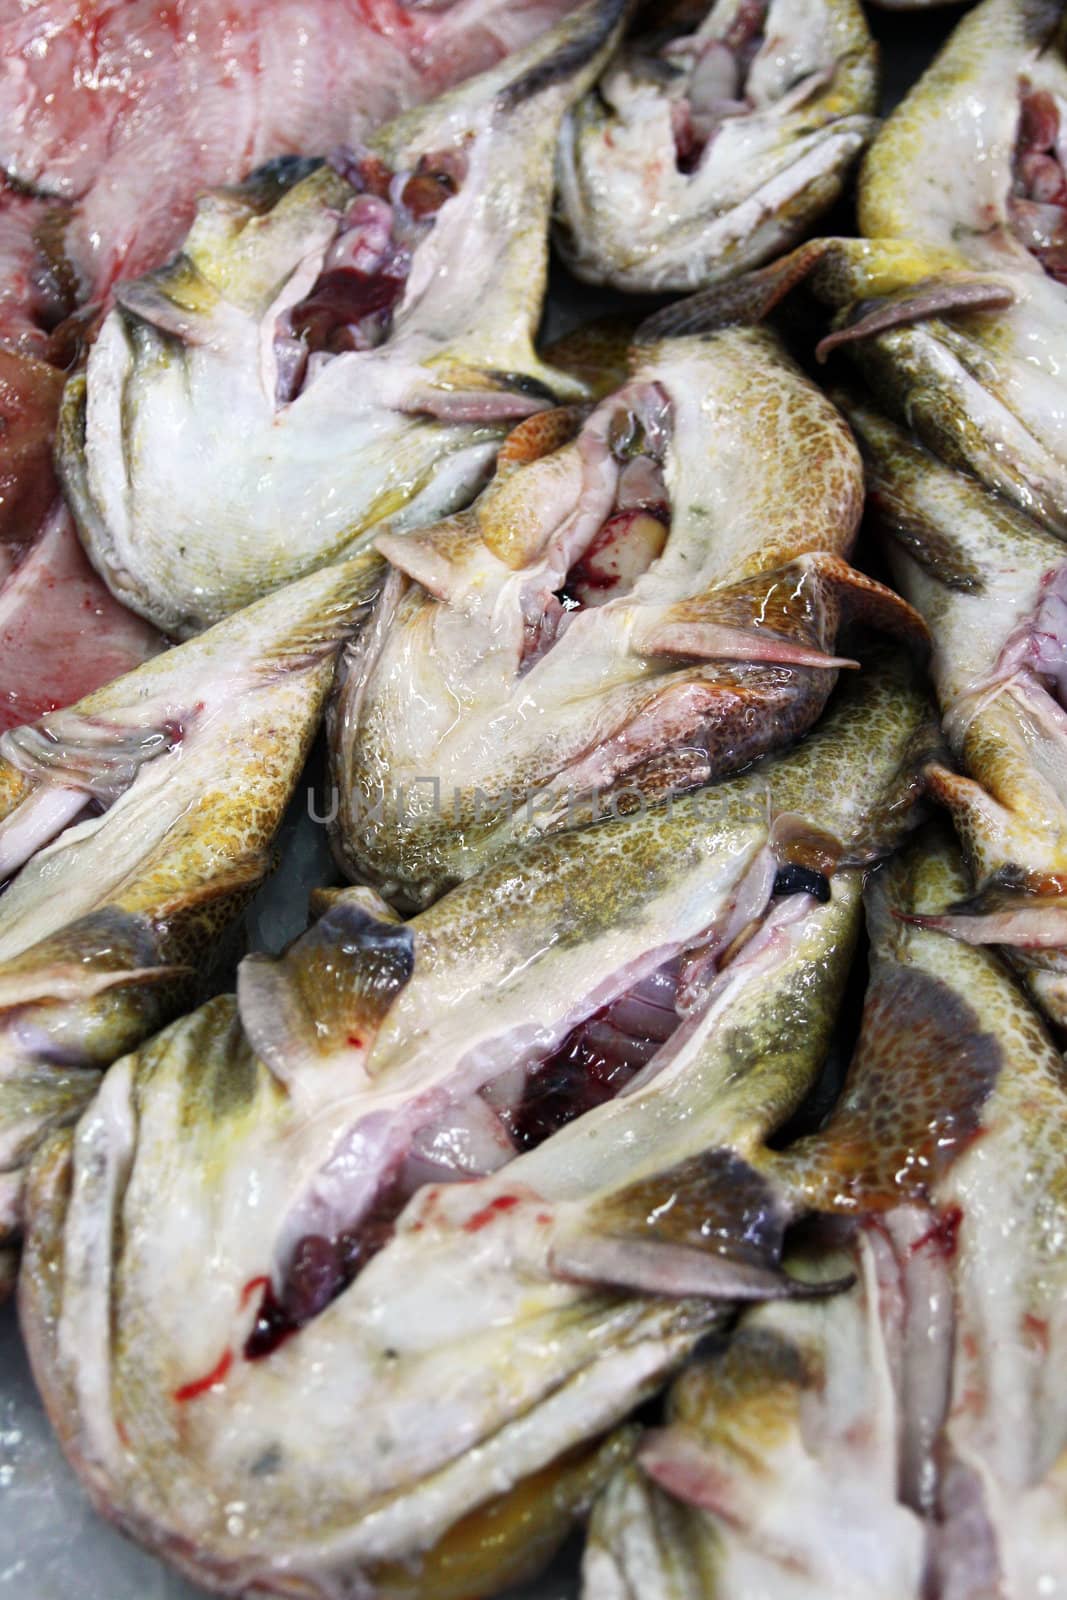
[(107, 949), (712, 641), (712, 1225), (176, 300), (539, 436), (949, 294), (99, 755), (436, 557), (1004, 913), (921, 1072), (266, 184), (675, 1271), (320, 901), (314, 630), (748, 298), (789, 615), (329, 991), (841, 271)]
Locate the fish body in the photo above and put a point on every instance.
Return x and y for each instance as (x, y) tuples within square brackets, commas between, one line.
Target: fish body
[(906, 1438), (700, 155), (650, 601), (487, 1313), (135, 826), (957, 303), (368, 335), (991, 584)]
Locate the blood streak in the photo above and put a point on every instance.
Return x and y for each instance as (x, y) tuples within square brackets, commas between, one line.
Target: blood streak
[(193, 1391)]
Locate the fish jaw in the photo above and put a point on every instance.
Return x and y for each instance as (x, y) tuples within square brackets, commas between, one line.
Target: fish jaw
[(777, 1469), (414, 421), (719, 650), (603, 1357), (632, 214)]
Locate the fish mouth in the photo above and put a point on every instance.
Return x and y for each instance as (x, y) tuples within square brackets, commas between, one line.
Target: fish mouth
[(366, 265), (620, 524), (612, 1047), (1037, 201)]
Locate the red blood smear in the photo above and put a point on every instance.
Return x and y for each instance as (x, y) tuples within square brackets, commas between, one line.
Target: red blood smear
[(481, 1219), (252, 1287), (943, 1237), (192, 1391)]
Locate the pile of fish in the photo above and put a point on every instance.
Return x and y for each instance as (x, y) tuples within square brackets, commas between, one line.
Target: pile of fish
[(659, 1125)]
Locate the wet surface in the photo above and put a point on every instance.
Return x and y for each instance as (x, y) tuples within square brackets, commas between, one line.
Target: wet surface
[(50, 1539)]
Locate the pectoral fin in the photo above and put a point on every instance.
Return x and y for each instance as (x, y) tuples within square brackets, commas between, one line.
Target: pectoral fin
[(330, 990), (943, 296)]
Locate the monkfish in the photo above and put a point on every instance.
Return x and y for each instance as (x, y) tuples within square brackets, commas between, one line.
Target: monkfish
[(906, 1440), (956, 303), (460, 1185), (643, 598), (993, 587), (363, 327), (135, 826), (700, 154)]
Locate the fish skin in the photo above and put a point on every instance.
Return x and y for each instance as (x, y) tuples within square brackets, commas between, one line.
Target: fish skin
[(985, 577), (528, 1354), (629, 216), (983, 388), (948, 1151), (415, 422), (683, 678), (109, 919)]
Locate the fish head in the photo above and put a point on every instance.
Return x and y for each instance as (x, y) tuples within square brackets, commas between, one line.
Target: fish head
[(966, 178), (629, 606), (701, 154), (369, 323)]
